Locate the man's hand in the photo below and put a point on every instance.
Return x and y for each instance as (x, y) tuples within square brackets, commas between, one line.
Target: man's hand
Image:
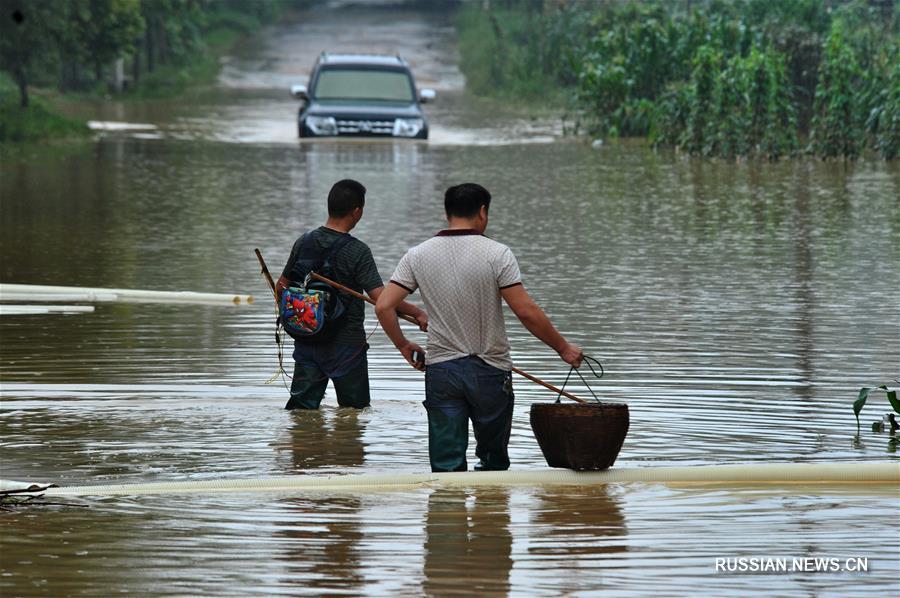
[(572, 354), (407, 351), (422, 320)]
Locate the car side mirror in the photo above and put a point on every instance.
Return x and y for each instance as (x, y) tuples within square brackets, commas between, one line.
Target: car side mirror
[(299, 92), (426, 95)]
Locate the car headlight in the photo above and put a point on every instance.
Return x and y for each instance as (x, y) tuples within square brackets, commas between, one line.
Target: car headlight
[(408, 127), (322, 125)]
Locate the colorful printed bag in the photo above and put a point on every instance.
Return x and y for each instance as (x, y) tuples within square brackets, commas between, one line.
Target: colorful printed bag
[(303, 311), (312, 310)]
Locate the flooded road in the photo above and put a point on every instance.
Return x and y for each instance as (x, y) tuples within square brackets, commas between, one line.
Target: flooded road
[(737, 309)]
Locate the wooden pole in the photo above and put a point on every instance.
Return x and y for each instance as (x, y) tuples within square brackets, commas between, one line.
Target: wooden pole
[(411, 319), (265, 273), (408, 318)]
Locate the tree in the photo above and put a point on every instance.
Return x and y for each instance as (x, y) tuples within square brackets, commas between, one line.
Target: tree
[(104, 29), (28, 32)]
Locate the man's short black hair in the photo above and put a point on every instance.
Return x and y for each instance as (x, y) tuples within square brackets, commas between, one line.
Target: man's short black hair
[(345, 196), (464, 201)]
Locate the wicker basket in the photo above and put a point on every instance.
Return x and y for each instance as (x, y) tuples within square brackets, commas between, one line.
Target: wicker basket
[(580, 436)]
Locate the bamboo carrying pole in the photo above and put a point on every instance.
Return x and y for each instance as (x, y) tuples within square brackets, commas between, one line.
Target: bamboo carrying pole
[(268, 277)]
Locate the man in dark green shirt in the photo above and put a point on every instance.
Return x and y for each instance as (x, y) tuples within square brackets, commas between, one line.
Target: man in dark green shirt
[(342, 357)]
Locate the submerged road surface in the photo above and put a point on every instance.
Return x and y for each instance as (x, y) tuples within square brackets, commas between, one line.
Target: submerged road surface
[(737, 309)]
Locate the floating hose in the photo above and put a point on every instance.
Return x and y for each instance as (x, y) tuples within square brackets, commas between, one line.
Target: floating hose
[(33, 292), (782, 473)]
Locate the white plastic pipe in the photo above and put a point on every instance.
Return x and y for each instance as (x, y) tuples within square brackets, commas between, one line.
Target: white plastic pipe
[(7, 485), (28, 310), (38, 297), (101, 125), (33, 292), (781, 473)]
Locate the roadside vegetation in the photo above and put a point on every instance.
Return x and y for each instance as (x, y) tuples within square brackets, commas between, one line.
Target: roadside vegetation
[(744, 78), (129, 48), (38, 121)]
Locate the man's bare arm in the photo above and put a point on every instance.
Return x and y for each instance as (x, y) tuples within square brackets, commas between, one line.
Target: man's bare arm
[(407, 308), (389, 299), (538, 324)]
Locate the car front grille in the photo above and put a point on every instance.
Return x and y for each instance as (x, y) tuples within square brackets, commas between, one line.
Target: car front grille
[(365, 127)]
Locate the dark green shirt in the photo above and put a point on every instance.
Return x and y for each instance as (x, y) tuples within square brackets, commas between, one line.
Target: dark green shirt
[(354, 267)]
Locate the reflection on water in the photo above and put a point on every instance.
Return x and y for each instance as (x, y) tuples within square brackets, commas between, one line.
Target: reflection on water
[(323, 545), (585, 530), (628, 540), (737, 309), (315, 440), (724, 302), (467, 536)]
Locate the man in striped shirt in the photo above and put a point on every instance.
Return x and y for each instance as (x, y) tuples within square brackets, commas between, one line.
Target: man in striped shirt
[(462, 276), (341, 356)]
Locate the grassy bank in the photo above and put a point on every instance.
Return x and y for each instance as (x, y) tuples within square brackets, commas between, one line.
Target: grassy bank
[(746, 78), (39, 120)]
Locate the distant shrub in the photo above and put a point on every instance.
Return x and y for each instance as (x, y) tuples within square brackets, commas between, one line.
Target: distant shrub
[(711, 78)]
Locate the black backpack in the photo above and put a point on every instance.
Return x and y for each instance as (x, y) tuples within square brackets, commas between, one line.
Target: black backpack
[(311, 310)]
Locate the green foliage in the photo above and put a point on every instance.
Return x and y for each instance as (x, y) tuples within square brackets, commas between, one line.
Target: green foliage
[(72, 44), (881, 103), (837, 125), (708, 77), (33, 122), (100, 31), (671, 115), (701, 97), (883, 122), (514, 51), (28, 32), (863, 396), (738, 107)]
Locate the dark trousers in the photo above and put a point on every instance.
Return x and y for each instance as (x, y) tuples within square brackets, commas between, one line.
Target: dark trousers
[(463, 389), (345, 365)]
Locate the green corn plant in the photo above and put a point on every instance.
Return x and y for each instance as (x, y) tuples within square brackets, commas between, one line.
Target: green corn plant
[(837, 130), (864, 393)]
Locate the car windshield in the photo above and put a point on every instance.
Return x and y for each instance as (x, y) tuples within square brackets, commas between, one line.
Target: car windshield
[(363, 84)]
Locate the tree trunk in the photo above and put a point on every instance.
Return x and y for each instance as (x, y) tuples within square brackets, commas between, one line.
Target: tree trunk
[(163, 42), (498, 60), (136, 66), (22, 83), (151, 59), (118, 69)]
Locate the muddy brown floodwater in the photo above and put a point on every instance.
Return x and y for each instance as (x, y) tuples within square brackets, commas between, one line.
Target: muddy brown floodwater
[(737, 309)]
